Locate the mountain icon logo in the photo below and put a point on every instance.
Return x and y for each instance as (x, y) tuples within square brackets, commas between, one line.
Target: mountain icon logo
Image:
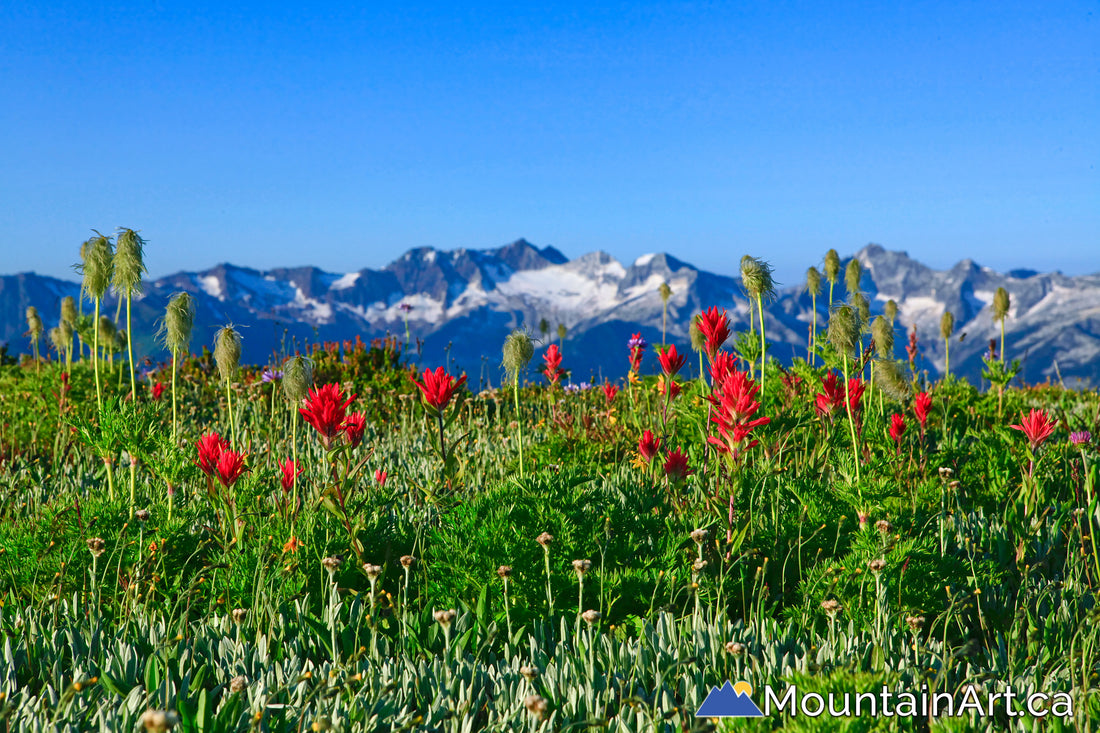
[(729, 701)]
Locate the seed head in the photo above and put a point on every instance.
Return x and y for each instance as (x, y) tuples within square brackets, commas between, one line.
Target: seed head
[(444, 618), (947, 324), (529, 673), (813, 281), (699, 536), (862, 306), (372, 571), (891, 380), (129, 262), (518, 350), (916, 623), (504, 571), (107, 330), (580, 567), (68, 309), (876, 566), (545, 539), (698, 565), (239, 615), (591, 616), (179, 319), (227, 352), (890, 310), (238, 684), (332, 563), (884, 526), (536, 705), (843, 329), (698, 340), (407, 561), (853, 273), (832, 266), (832, 606), (96, 546), (882, 331), (756, 278), (57, 339), (665, 292), (297, 378), (735, 648), (946, 472), (1001, 304), (97, 266), (34, 323), (142, 515), (158, 721)]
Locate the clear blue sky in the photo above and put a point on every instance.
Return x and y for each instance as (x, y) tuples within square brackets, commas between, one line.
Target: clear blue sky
[(275, 134)]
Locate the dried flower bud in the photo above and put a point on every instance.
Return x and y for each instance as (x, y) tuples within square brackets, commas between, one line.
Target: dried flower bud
[(545, 539), (445, 617), (590, 616), (504, 571), (238, 684), (735, 648), (536, 705), (876, 566), (1001, 304), (407, 561), (580, 567)]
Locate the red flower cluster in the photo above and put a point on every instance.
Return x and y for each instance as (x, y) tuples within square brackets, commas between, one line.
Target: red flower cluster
[(210, 448), (735, 405), (637, 351), (922, 407), (354, 425), (326, 410), (552, 357), (832, 395), (437, 388), (676, 466), (649, 446), (158, 390), (1037, 426), (897, 428), (715, 328), (609, 392), (291, 471), (671, 361), (721, 366), (380, 476), (231, 466)]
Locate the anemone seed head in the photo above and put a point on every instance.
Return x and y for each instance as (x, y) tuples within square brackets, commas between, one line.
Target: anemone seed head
[(813, 281), (852, 275), (665, 292), (1001, 304), (179, 318), (832, 266), (890, 310), (947, 324), (227, 351), (129, 262), (843, 329), (98, 265), (756, 277), (68, 309), (891, 380), (517, 352), (297, 378), (882, 331), (698, 340), (34, 322)]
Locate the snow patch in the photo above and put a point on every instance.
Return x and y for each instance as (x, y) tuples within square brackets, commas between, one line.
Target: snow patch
[(345, 282), (644, 260), (212, 286)]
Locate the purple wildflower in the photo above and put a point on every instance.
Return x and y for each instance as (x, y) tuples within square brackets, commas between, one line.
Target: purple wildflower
[(637, 341), (405, 307), (271, 375), (1080, 437)]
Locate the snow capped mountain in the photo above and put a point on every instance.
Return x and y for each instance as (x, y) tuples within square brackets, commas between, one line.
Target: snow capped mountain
[(463, 302)]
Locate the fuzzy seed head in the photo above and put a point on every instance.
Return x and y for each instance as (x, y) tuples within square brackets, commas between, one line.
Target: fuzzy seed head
[(756, 278), (735, 648), (68, 309), (34, 323), (862, 306), (179, 319), (852, 275), (832, 266), (56, 339), (947, 324), (107, 331), (813, 281), (665, 292), (882, 331), (518, 350), (1001, 304), (65, 331), (698, 340), (129, 263), (297, 378), (98, 265), (843, 330), (699, 536), (890, 310), (891, 380), (227, 352)]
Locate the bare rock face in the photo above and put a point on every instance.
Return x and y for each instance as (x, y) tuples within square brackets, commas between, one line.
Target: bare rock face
[(462, 303)]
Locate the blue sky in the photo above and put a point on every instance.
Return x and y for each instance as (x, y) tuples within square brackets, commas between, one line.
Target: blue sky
[(272, 134)]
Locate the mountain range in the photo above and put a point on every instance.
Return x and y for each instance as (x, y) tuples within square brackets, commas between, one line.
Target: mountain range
[(462, 303)]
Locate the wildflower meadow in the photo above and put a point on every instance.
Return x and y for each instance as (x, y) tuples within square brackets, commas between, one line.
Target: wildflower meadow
[(352, 537)]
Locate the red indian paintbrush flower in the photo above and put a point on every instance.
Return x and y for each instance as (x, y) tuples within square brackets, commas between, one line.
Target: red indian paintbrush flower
[(438, 388), (210, 447), (230, 467), (922, 407), (290, 471), (735, 405), (1037, 426), (671, 386), (354, 425), (648, 445), (158, 390), (720, 367), (897, 428), (552, 357), (715, 328), (676, 466), (671, 361), (380, 476), (326, 409), (831, 397), (637, 345), (855, 395)]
